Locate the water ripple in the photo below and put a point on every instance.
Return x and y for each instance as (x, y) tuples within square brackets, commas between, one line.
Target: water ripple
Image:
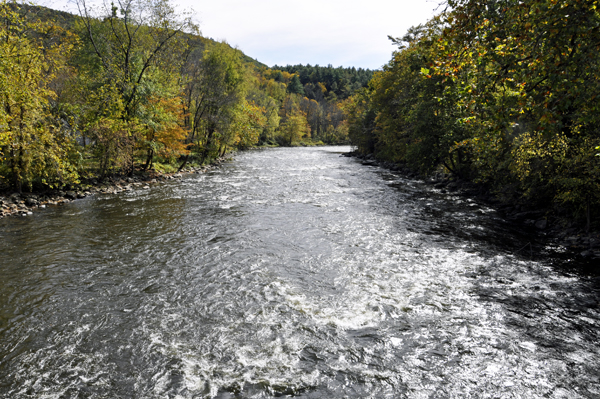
[(288, 272)]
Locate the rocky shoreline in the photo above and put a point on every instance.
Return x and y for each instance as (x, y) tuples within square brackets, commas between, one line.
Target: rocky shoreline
[(24, 204), (551, 229)]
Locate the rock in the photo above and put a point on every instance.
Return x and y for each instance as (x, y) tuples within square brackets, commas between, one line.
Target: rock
[(146, 187), (71, 195), (30, 202), (80, 195), (528, 215), (587, 254), (541, 224)]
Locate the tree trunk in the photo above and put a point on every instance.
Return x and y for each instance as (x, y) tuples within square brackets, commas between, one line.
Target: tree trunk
[(588, 214), (207, 145), (149, 159)]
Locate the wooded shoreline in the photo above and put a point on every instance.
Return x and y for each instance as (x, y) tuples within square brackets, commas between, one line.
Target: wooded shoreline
[(25, 203), (78, 101)]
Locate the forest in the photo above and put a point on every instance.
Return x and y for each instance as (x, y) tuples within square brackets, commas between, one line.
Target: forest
[(501, 93), (134, 87)]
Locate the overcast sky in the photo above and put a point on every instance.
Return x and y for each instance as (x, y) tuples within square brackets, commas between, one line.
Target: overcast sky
[(338, 32)]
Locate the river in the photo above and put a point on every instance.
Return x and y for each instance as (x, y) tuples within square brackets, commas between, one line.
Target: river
[(289, 272)]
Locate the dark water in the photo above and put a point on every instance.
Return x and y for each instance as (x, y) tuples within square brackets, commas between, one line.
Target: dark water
[(288, 272)]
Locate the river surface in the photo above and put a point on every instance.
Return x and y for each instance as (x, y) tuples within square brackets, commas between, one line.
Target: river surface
[(289, 272)]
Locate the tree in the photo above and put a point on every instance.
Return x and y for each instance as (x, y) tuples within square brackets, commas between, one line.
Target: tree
[(33, 147), (216, 87), (295, 128), (133, 50), (295, 86), (163, 134), (248, 123)]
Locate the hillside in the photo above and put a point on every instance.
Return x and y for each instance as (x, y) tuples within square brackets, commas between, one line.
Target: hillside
[(68, 21)]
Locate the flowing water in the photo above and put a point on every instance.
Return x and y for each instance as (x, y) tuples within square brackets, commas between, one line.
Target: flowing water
[(288, 272)]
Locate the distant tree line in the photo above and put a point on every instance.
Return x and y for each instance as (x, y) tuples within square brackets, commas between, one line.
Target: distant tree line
[(340, 82)]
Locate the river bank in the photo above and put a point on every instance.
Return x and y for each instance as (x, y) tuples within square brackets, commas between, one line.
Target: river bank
[(25, 203), (555, 232)]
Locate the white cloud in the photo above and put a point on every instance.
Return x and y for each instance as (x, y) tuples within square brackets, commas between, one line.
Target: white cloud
[(348, 33)]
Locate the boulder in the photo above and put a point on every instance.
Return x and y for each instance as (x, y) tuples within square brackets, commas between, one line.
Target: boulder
[(30, 202), (588, 253), (541, 224)]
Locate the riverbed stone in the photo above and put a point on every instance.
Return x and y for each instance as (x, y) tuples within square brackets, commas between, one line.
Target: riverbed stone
[(541, 224), (587, 253), (31, 202)]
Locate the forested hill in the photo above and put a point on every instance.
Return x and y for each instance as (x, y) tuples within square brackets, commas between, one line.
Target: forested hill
[(69, 21), (340, 81)]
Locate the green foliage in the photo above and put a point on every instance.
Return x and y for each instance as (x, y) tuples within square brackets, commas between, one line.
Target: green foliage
[(214, 98), (34, 148), (294, 129), (295, 86), (341, 82), (130, 58)]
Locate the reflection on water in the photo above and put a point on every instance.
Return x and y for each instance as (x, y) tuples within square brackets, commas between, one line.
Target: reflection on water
[(288, 272)]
